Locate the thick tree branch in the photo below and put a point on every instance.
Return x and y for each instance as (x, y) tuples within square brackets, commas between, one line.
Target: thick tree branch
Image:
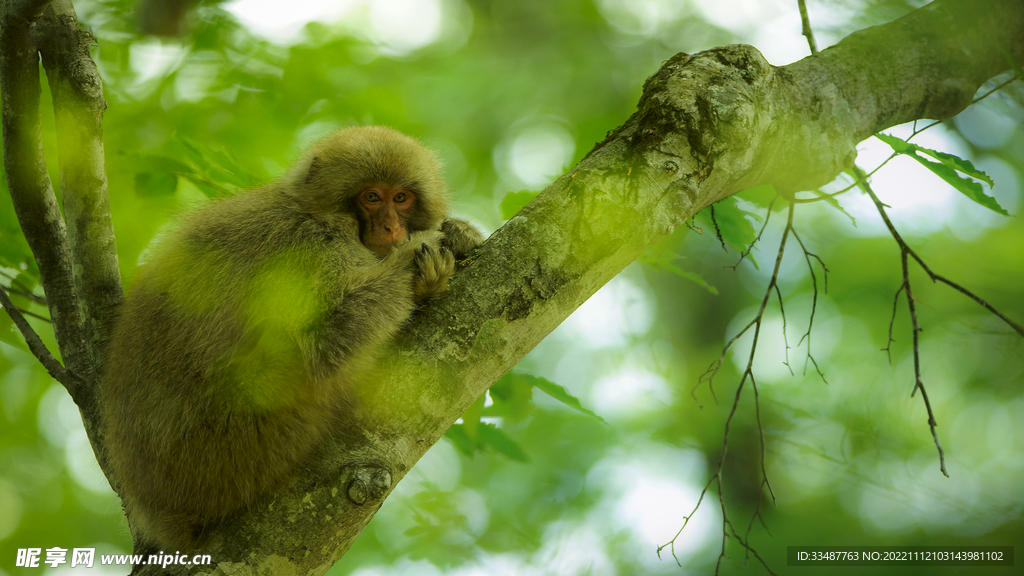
[(31, 192), (78, 106)]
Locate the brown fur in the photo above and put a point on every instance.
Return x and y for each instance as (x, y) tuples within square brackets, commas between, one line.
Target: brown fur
[(236, 349)]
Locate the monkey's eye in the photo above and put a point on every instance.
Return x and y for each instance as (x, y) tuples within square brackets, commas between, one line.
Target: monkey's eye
[(401, 197), (371, 196)]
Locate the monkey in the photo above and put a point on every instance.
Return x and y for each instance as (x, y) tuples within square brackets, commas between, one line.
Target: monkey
[(235, 351)]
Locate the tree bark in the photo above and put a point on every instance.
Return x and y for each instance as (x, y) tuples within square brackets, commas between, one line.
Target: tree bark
[(77, 266), (78, 104), (32, 193)]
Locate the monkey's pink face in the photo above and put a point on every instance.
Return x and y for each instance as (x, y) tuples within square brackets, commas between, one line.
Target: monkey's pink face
[(386, 211)]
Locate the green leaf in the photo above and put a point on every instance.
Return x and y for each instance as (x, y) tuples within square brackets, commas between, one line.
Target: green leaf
[(967, 187), (210, 191), (218, 166), (471, 419), (457, 435), (663, 263), (831, 201), (417, 530), (665, 252), (155, 184), (513, 202), (9, 333), (20, 301), (13, 251), (158, 163), (733, 223), (955, 162), (497, 439), (25, 280), (1013, 64), (560, 394), (512, 398), (760, 195), (947, 168)]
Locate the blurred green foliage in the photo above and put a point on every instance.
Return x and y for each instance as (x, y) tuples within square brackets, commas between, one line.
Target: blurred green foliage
[(511, 93)]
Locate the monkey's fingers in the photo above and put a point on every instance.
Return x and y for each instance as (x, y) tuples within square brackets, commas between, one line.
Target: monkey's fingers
[(434, 269), (449, 259)]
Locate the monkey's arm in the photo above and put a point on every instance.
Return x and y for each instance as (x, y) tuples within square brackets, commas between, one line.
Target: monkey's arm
[(375, 301), (460, 237)]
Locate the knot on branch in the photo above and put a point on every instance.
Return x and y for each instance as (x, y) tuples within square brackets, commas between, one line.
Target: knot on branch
[(731, 120), (706, 99), (369, 484)]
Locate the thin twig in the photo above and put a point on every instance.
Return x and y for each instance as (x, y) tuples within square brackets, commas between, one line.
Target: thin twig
[(718, 232), (1013, 78), (934, 277), (748, 374), (806, 28), (814, 303), (892, 322), (24, 293), (746, 252), (905, 287), (914, 132), (785, 336), (38, 349), (18, 287)]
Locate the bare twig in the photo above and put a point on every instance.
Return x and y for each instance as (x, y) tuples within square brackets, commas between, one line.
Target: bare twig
[(806, 28), (718, 232), (892, 322), (61, 374), (934, 277), (758, 237), (814, 302), (16, 287), (709, 374), (785, 336), (748, 374), (905, 287)]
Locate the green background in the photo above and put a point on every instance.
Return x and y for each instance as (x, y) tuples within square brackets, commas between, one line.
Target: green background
[(512, 94)]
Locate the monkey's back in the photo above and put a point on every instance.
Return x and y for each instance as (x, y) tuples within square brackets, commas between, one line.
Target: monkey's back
[(212, 390)]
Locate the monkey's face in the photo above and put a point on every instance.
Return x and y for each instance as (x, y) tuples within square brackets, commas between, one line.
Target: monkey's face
[(384, 216)]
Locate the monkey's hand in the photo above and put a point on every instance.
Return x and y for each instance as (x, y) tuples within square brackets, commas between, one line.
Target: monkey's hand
[(434, 265), (460, 237)]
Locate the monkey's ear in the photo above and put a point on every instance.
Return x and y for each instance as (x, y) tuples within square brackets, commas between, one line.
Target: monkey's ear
[(314, 168)]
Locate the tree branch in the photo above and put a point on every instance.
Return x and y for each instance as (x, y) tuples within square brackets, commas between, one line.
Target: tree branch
[(31, 192), (36, 346), (78, 106)]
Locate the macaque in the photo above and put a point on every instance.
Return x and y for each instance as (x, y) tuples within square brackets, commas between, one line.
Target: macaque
[(235, 353)]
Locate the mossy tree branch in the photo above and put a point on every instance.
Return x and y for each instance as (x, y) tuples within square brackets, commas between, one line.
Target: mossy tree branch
[(78, 107), (32, 194), (77, 266)]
